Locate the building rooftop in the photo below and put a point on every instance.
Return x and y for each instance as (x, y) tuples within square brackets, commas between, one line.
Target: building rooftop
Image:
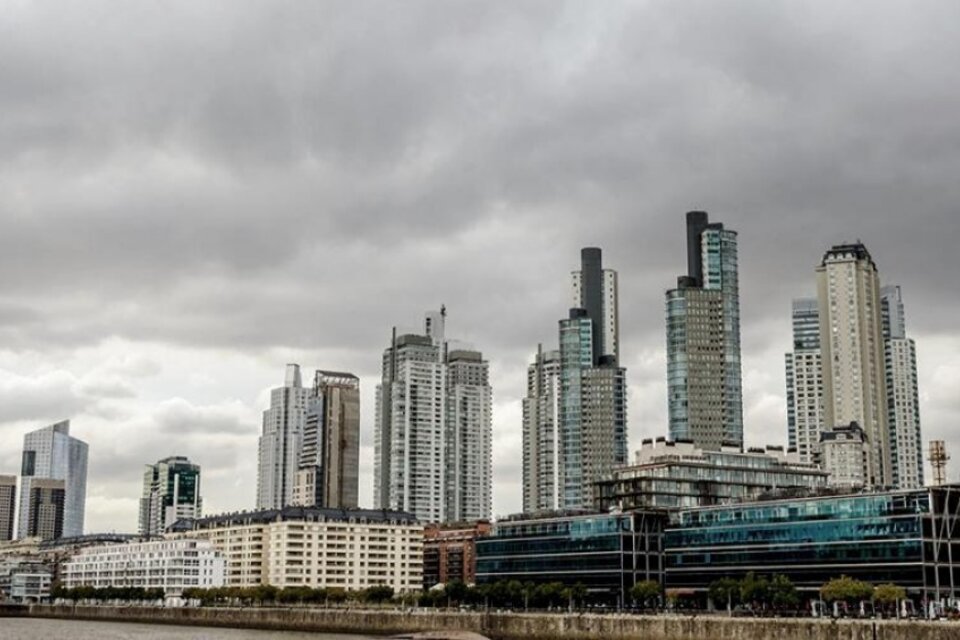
[(291, 513)]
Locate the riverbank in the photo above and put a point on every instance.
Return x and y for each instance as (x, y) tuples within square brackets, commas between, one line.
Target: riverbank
[(508, 626)]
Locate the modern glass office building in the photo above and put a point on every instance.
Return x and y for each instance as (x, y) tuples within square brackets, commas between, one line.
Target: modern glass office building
[(605, 552), (909, 538)]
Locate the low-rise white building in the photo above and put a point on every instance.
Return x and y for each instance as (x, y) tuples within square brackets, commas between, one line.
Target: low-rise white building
[(314, 547), (172, 565)]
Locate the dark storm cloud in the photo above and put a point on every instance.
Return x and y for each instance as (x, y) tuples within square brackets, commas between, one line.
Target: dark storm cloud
[(257, 176)]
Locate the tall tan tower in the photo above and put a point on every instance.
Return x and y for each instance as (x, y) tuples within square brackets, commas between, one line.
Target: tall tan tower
[(851, 343)]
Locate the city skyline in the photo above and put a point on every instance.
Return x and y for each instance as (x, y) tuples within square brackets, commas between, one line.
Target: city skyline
[(163, 263)]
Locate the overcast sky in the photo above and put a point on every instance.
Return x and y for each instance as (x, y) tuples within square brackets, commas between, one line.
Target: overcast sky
[(193, 194)]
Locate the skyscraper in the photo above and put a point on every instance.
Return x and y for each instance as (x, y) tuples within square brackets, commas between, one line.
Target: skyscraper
[(51, 453), (433, 427), (8, 506), (705, 399), (171, 491), (575, 427), (852, 346), (328, 473), (45, 514), (903, 397), (805, 381), (279, 448), (541, 433)]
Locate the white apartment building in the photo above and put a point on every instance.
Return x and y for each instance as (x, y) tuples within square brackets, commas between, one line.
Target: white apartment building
[(432, 440), (541, 433), (318, 548), (844, 454), (280, 442), (805, 381), (172, 565)]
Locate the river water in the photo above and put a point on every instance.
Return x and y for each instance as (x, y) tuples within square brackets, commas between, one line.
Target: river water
[(36, 629)]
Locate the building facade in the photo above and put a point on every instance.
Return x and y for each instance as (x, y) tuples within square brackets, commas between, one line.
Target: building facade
[(805, 381), (671, 475), (450, 553), (25, 580), (171, 491), (44, 514), (909, 538), (592, 406), (280, 441), (8, 506), (903, 395), (318, 548), (704, 383), (51, 453), (608, 553), (541, 433), (844, 453), (171, 565), (329, 467), (433, 430), (852, 345)]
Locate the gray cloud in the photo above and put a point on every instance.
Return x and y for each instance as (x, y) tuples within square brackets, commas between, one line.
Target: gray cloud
[(288, 181)]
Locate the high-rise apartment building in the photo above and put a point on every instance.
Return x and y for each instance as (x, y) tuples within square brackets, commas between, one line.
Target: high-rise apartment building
[(51, 453), (433, 435), (903, 397), (592, 407), (44, 516), (705, 398), (171, 491), (805, 381), (328, 474), (8, 506), (852, 347), (279, 447), (541, 433), (844, 453)]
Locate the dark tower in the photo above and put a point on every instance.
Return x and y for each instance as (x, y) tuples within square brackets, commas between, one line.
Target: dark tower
[(592, 295)]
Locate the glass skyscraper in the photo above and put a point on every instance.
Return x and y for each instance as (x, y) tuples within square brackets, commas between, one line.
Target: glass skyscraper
[(705, 399), (51, 453), (171, 491)]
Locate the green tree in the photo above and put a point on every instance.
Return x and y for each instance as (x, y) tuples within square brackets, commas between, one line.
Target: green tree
[(378, 594), (455, 592), (755, 591), (645, 592), (783, 593), (847, 590), (725, 592), (888, 596)]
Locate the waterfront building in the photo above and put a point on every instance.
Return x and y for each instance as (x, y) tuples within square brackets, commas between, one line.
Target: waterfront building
[(704, 384), (8, 506), (845, 454), (903, 396), (450, 552), (43, 510), (433, 435), (671, 475), (171, 491), (314, 547), (171, 565), (805, 381), (592, 391), (852, 346), (541, 433), (905, 537), (51, 453), (328, 474), (25, 580), (607, 553), (280, 441)]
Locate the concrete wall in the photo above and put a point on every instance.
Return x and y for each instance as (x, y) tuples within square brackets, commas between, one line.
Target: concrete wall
[(516, 626)]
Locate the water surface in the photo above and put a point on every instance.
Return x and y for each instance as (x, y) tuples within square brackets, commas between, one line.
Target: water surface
[(39, 629)]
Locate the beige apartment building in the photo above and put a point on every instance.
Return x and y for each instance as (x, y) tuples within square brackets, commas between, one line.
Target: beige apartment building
[(314, 547), (852, 347)]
